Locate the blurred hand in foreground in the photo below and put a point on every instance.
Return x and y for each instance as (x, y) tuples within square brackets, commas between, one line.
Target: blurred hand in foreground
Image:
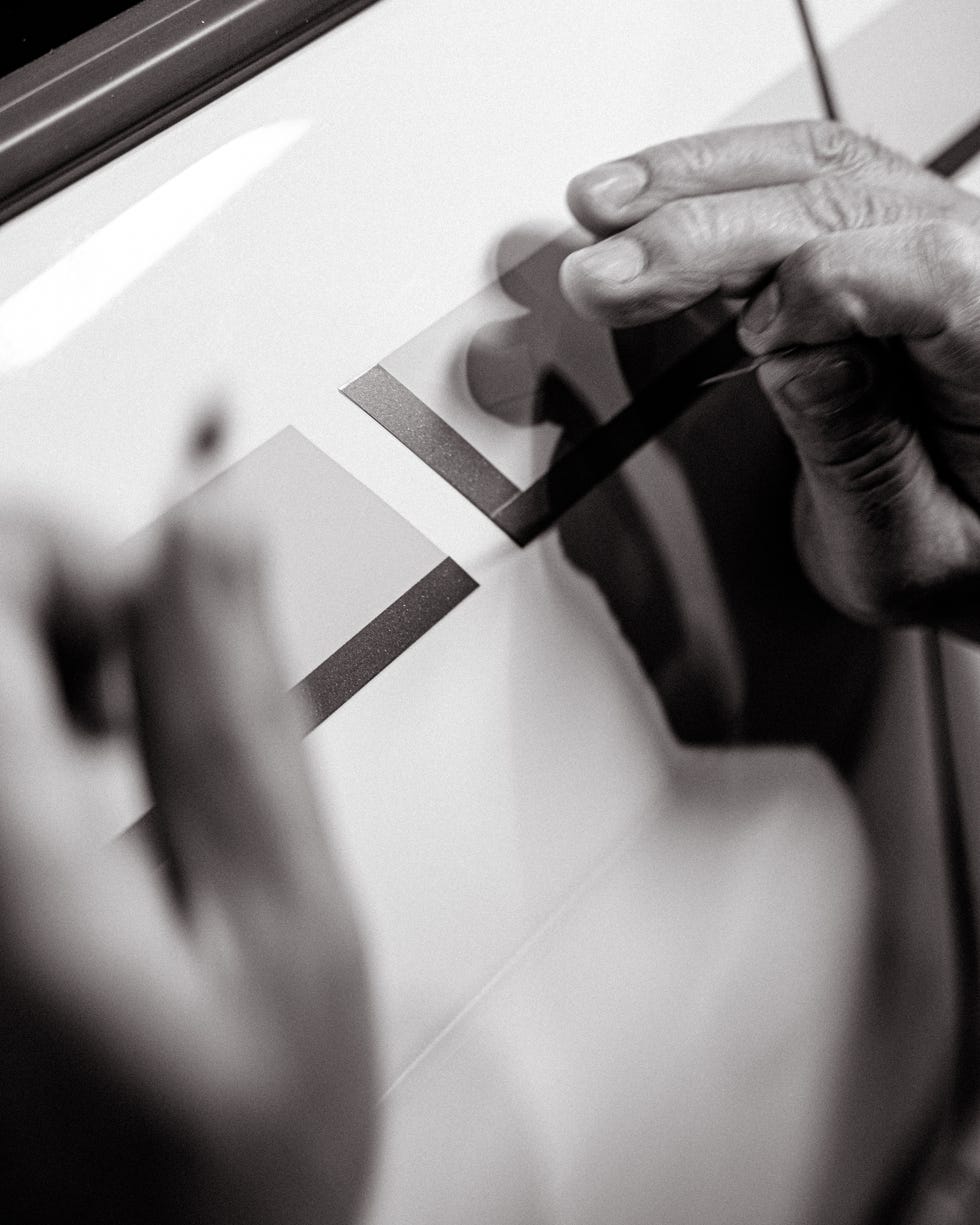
[(867, 265), (190, 1044)]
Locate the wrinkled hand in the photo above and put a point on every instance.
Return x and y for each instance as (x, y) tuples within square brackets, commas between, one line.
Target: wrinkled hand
[(872, 265), (191, 1046)]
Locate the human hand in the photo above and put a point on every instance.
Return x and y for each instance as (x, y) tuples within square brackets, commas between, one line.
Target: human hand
[(186, 1046), (871, 265)]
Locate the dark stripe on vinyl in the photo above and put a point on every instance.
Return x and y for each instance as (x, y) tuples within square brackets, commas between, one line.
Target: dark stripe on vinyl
[(431, 438), (380, 642), (956, 155), (577, 472)]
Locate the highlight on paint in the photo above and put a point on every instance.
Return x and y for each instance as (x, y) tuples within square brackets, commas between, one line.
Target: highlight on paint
[(46, 311)]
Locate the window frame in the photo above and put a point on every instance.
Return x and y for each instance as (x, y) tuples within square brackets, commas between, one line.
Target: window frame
[(100, 94)]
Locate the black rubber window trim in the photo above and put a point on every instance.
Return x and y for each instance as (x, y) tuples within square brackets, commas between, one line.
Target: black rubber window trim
[(105, 91)]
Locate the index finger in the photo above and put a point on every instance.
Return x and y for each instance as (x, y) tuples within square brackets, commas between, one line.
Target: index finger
[(617, 194), (221, 743)]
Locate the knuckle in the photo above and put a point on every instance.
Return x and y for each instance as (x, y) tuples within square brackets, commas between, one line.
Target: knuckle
[(833, 145), (949, 252), (836, 149), (685, 228), (818, 284), (834, 204), (821, 284), (686, 236), (687, 158), (820, 202)]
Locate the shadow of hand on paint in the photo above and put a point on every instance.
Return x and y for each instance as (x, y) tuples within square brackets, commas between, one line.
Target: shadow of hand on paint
[(689, 542)]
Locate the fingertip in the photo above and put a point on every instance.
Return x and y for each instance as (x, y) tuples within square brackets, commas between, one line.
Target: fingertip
[(600, 280), (758, 325), (604, 198), (575, 284)]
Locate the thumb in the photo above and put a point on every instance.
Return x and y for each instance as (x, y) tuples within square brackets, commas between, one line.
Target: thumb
[(877, 531)]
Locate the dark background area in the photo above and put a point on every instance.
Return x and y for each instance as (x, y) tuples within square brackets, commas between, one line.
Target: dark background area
[(32, 30)]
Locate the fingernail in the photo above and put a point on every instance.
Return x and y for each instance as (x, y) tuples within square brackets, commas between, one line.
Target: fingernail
[(617, 260), (763, 310), (844, 376), (615, 184)]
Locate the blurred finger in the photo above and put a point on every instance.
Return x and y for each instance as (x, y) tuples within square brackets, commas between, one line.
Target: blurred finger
[(37, 768), (62, 610), (220, 737), (46, 568), (88, 941), (72, 590)]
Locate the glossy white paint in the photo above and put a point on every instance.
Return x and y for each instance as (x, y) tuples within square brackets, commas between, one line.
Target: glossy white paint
[(48, 310), (385, 216), (617, 978)]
